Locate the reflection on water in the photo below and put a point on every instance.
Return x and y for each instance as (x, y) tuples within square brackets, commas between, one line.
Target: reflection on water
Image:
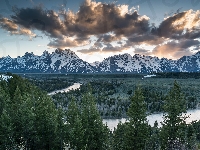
[(74, 86), (193, 115)]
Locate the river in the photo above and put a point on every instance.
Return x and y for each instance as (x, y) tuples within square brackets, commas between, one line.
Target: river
[(112, 123), (72, 87), (193, 115)]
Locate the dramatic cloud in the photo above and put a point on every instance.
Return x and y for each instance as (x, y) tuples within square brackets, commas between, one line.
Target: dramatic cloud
[(107, 23), (90, 50), (98, 47), (182, 25), (98, 44), (98, 18), (47, 21), (110, 48), (13, 28), (148, 39), (142, 51), (108, 38), (8, 25), (93, 18), (174, 50), (67, 42)]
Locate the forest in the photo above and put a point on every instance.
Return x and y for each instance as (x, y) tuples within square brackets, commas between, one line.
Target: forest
[(32, 120)]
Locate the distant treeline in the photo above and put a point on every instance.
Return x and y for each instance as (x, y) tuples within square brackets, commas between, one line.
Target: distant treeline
[(178, 75)]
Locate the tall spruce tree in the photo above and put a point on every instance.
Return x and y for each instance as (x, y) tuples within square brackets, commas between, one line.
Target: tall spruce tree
[(153, 142), (138, 130), (28, 118), (74, 127), (6, 128), (119, 136), (85, 127), (173, 132), (95, 132)]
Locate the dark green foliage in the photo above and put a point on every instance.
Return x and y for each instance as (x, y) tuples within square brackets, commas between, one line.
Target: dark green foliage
[(112, 91), (51, 84), (178, 75), (74, 126), (136, 132), (86, 129), (28, 117), (138, 129), (153, 143), (118, 136), (191, 138), (173, 132), (196, 127)]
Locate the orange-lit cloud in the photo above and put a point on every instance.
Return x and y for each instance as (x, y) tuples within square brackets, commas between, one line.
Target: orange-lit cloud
[(175, 50), (107, 23)]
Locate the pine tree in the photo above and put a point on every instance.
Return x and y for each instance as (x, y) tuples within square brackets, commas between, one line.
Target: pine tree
[(85, 126), (28, 117), (191, 138), (6, 129), (75, 130), (61, 130), (16, 116), (46, 123), (137, 132), (153, 142), (173, 132), (118, 136), (95, 132)]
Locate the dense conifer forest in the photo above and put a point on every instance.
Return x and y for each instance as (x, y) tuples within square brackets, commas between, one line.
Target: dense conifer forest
[(32, 120)]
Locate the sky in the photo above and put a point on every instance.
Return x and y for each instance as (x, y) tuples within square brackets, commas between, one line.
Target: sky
[(95, 30)]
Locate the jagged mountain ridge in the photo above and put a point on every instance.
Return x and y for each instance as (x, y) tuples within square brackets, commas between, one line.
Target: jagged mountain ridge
[(148, 64), (60, 61), (66, 61)]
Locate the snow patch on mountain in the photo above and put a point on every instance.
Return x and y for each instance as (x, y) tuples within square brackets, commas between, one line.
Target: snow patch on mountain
[(66, 61), (5, 77)]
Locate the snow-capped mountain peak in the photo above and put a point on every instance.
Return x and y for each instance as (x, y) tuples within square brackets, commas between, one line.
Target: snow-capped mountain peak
[(66, 61)]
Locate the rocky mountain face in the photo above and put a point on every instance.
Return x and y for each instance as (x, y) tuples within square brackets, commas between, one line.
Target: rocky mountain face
[(146, 64), (60, 61), (66, 61)]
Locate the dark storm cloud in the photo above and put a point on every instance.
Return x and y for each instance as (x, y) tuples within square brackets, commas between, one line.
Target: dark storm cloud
[(188, 43), (106, 49), (93, 18), (62, 43), (193, 34), (37, 18), (93, 49), (119, 42), (196, 48), (98, 44)]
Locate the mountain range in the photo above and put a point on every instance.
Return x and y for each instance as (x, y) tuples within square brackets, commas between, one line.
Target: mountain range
[(66, 61)]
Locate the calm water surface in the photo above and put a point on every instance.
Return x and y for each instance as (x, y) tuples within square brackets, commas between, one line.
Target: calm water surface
[(112, 123), (193, 115)]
